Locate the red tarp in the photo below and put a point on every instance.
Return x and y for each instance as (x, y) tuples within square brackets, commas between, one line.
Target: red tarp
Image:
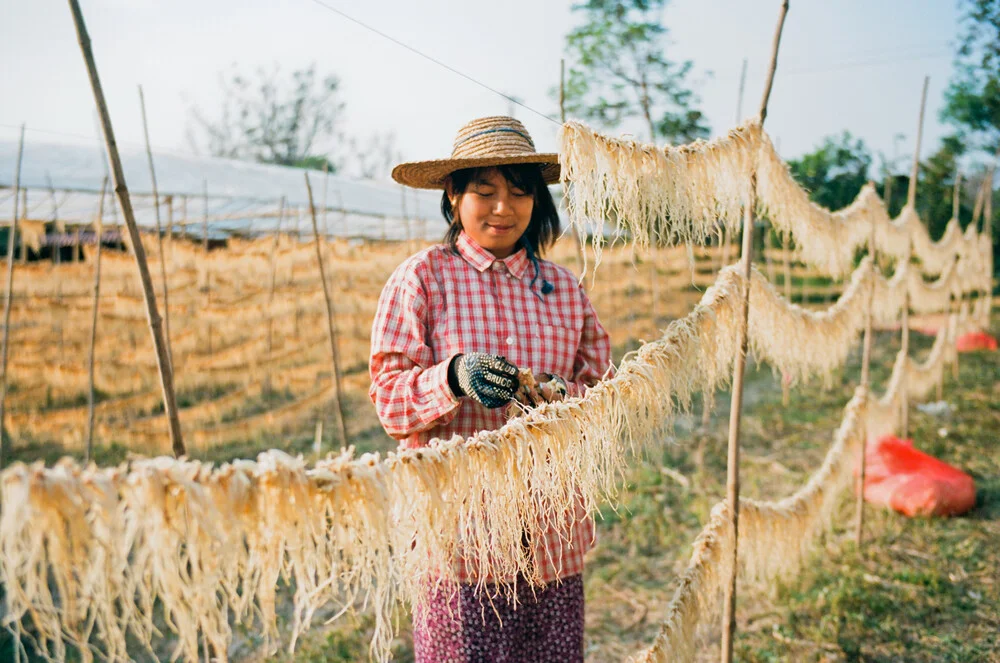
[(914, 483), (974, 341)]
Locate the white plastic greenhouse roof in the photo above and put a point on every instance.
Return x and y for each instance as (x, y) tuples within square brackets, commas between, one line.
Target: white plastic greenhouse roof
[(242, 196)]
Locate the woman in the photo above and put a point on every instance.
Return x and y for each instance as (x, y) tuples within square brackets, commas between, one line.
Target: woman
[(463, 329)]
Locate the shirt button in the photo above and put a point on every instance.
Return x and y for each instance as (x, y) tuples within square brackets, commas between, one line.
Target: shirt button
[(510, 340), (498, 265)]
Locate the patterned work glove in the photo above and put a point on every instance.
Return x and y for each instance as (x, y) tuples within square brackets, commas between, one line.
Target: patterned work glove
[(490, 380)]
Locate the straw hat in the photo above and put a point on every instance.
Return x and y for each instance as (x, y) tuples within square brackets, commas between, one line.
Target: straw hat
[(487, 141)]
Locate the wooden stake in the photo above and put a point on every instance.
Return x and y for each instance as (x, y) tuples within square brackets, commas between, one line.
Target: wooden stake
[(270, 294), (98, 231), (24, 217), (121, 190), (786, 265), (911, 198), (204, 216), (733, 458), (866, 360), (9, 294), (956, 202), (335, 354), (159, 232), (56, 250)]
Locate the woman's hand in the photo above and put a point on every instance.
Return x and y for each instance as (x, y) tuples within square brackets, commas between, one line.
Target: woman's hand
[(490, 380), (538, 388)]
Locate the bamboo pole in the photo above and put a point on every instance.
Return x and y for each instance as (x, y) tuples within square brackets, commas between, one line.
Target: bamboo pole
[(159, 233), (98, 231), (956, 204), (170, 221), (56, 250), (733, 456), (204, 215), (8, 294), (911, 198), (866, 360), (270, 294), (335, 354), (24, 216), (580, 258), (326, 185), (121, 190)]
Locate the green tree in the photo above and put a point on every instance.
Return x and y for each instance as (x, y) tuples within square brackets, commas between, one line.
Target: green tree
[(617, 70), (972, 100), (835, 172), (271, 118)]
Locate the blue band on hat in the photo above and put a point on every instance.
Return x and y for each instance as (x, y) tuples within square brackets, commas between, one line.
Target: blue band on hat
[(493, 131)]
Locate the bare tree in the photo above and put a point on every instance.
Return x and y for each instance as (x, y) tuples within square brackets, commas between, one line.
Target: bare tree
[(271, 117)]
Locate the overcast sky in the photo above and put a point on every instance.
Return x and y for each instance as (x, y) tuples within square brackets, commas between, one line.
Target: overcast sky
[(850, 64)]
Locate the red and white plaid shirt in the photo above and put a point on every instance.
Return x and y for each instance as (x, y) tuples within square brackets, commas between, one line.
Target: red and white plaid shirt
[(438, 304)]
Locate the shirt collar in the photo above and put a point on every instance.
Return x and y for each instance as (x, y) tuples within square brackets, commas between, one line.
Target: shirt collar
[(481, 259)]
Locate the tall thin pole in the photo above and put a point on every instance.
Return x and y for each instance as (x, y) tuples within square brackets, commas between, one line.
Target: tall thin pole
[(326, 185), (270, 294), (329, 318), (98, 231), (159, 233), (204, 215), (121, 190), (739, 368), (911, 198), (866, 360), (9, 292), (739, 96), (956, 202)]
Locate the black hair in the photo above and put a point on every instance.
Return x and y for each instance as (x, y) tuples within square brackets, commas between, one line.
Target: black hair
[(543, 229)]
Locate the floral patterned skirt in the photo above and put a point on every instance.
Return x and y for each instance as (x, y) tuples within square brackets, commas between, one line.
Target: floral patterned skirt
[(545, 626)]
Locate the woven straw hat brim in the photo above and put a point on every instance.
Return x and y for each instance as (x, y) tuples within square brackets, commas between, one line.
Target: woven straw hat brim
[(432, 174)]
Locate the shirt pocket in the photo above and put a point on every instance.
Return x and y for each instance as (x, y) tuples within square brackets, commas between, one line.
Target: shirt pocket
[(555, 349)]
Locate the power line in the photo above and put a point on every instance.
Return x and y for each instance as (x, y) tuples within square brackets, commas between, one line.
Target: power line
[(509, 98)]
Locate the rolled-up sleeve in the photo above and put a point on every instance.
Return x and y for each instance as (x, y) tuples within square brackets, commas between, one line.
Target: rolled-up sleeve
[(593, 355), (410, 391)]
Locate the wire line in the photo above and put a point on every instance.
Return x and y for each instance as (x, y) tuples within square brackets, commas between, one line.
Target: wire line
[(509, 98)]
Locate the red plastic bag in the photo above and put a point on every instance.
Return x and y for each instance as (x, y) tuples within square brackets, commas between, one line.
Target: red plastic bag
[(974, 341), (914, 483)]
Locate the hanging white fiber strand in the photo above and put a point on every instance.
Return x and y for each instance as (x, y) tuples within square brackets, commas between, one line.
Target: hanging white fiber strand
[(669, 195), (774, 539)]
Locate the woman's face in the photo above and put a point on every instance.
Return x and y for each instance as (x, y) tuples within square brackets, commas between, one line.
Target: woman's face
[(493, 212)]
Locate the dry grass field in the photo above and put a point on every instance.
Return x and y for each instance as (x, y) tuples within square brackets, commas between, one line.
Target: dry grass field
[(252, 364)]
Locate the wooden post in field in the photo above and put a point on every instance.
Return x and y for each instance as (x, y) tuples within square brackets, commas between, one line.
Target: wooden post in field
[(204, 216), (911, 199), (866, 360), (121, 190), (577, 242), (57, 249), (326, 185), (956, 206), (24, 217), (786, 267), (159, 233), (9, 293), (270, 294), (331, 327), (733, 458), (170, 220), (95, 307)]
